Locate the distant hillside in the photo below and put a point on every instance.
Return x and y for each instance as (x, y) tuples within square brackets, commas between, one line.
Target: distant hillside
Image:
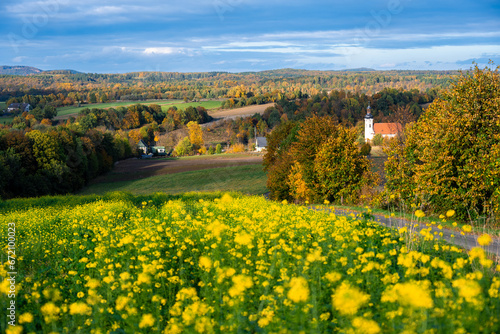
[(360, 69), (19, 70), (61, 72)]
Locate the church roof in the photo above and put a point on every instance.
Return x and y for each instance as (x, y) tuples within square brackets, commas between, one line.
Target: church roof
[(387, 128)]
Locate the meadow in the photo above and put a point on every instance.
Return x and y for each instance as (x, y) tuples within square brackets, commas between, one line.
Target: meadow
[(249, 179), (165, 104), (4, 120), (225, 262)]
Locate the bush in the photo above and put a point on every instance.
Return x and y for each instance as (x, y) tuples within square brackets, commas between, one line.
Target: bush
[(365, 149), (236, 148), (218, 149), (378, 140)]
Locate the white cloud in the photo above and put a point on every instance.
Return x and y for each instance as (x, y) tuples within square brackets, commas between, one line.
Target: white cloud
[(163, 50), (107, 10), (19, 59)]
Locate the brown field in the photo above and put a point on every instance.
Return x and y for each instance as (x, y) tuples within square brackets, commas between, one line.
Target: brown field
[(243, 111), (133, 169)]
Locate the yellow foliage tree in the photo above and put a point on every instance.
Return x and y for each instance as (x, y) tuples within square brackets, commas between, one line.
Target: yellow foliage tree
[(196, 136), (298, 187)]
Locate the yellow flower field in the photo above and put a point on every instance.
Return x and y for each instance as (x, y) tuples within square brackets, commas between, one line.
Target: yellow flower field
[(212, 263)]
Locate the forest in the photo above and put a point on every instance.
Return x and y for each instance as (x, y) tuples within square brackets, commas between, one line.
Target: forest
[(252, 87)]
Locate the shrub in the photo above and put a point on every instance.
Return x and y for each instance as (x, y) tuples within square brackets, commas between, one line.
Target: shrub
[(365, 149), (236, 148), (378, 140)]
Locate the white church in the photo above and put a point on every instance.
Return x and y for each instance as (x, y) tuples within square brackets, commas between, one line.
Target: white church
[(387, 130)]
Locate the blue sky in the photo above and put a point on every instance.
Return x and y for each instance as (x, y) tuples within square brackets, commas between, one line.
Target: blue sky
[(107, 36)]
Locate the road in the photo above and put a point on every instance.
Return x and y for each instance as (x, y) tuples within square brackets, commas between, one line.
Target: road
[(467, 241)]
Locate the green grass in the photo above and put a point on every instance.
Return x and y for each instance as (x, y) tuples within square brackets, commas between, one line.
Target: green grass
[(249, 179), (206, 104), (4, 120), (221, 156), (165, 104)]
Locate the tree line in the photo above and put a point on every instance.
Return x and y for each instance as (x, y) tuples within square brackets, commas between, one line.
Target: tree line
[(57, 160), (77, 88)]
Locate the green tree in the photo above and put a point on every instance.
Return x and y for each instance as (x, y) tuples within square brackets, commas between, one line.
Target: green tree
[(378, 140), (341, 170), (184, 147), (92, 98), (218, 149)]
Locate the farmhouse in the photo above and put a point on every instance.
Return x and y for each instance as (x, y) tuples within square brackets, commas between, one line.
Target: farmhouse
[(260, 144), (19, 106), (386, 130), (158, 150), (141, 146)]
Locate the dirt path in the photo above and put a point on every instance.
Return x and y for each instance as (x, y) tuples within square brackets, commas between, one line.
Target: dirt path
[(467, 241), (133, 169)]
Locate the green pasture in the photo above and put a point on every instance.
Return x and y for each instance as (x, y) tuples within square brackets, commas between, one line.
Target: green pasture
[(165, 104), (249, 179)]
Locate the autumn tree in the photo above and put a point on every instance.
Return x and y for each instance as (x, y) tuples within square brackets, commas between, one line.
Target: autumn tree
[(313, 132), (277, 160), (316, 160), (340, 168), (451, 156), (184, 147), (196, 137)]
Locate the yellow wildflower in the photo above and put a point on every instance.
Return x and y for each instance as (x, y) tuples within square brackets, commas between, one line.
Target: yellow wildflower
[(50, 312), (347, 299), (121, 302), (147, 320), (365, 326), (241, 283), (205, 263), (243, 238), (414, 294), (25, 318), (299, 290), (419, 214), (80, 308), (14, 330), (484, 240)]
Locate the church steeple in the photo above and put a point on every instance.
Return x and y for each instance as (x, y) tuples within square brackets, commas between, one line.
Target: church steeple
[(368, 111), (369, 131)]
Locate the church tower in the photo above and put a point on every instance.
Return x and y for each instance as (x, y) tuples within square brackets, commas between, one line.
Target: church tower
[(369, 132)]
